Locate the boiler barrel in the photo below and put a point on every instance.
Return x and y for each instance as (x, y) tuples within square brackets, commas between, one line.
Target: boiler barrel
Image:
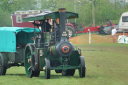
[(63, 49)]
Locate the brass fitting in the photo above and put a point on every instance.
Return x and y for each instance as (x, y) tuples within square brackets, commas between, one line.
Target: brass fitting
[(43, 68), (29, 60)]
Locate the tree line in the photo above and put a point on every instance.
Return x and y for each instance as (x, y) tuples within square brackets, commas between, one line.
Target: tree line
[(103, 9)]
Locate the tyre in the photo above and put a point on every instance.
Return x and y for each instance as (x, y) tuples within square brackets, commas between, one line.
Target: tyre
[(75, 26), (2, 68), (82, 69), (36, 73), (69, 72), (47, 68), (58, 71), (71, 31)]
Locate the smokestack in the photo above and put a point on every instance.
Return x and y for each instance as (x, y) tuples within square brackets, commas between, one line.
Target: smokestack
[(62, 12)]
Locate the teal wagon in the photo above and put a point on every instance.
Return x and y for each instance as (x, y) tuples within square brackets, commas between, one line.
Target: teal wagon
[(12, 46)]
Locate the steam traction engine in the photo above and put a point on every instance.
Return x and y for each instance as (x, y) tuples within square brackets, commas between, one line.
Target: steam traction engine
[(51, 49)]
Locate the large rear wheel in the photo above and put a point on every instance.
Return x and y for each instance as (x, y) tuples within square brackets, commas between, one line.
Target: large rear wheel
[(82, 69), (28, 67)]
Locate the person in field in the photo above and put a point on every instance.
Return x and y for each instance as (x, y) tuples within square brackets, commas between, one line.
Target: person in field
[(113, 33)]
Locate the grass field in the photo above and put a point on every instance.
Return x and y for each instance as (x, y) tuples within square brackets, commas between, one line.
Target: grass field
[(107, 64)]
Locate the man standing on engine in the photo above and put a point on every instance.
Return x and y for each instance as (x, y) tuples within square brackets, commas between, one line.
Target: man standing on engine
[(109, 22)]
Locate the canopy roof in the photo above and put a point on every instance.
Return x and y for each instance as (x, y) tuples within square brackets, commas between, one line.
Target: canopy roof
[(18, 29), (10, 36), (53, 15)]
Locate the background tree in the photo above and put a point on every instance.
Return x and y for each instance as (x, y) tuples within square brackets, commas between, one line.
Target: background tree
[(10, 6), (104, 9)]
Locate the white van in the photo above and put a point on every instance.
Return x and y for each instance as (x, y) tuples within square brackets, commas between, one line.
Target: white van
[(123, 23)]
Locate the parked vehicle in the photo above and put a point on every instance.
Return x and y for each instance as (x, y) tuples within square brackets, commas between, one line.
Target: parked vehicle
[(72, 28), (123, 22), (91, 29), (17, 16), (104, 29), (12, 46)]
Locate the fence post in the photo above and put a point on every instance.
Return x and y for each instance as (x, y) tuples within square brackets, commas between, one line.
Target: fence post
[(89, 36)]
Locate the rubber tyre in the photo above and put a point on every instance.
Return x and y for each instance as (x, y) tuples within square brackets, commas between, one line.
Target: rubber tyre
[(47, 68), (58, 71), (36, 73), (82, 69), (64, 73), (71, 31), (69, 72), (2, 68)]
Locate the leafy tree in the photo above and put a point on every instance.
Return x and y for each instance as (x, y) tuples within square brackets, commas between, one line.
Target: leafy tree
[(5, 19), (10, 6), (104, 9)]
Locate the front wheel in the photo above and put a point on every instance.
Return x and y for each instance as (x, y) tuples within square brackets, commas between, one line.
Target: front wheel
[(82, 69), (47, 68)]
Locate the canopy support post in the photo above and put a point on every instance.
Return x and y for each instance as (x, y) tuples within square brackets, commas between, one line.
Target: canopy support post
[(34, 33)]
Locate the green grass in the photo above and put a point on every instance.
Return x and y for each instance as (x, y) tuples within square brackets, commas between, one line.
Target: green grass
[(107, 64), (79, 34)]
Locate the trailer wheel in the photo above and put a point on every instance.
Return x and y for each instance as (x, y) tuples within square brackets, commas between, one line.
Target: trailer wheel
[(47, 68), (28, 67), (69, 72), (71, 31), (82, 69), (2, 68)]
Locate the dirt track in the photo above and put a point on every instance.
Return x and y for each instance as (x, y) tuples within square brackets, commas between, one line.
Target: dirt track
[(95, 38)]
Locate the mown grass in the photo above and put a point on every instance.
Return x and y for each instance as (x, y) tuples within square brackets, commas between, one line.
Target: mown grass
[(106, 65), (79, 34)]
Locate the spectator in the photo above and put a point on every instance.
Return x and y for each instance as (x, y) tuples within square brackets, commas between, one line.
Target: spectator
[(113, 33)]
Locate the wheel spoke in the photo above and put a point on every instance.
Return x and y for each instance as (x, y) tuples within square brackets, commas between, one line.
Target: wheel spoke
[(29, 69)]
